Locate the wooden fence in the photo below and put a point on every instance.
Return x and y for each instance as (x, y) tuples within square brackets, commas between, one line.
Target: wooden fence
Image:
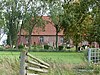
[(34, 66), (94, 55)]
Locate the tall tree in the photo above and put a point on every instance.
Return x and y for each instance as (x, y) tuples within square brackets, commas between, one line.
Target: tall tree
[(94, 33), (16, 11), (76, 14), (55, 8), (12, 15), (34, 17)]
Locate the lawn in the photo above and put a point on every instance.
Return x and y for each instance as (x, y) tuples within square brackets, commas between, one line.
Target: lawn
[(71, 58)]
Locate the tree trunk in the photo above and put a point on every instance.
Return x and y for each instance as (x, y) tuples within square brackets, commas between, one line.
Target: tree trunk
[(9, 41), (29, 40), (56, 40), (17, 43), (19, 37), (76, 42), (76, 47)]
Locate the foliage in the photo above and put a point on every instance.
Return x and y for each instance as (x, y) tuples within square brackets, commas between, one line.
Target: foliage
[(34, 17), (94, 33), (60, 48), (55, 13), (46, 47), (11, 13), (77, 20), (18, 15), (21, 46)]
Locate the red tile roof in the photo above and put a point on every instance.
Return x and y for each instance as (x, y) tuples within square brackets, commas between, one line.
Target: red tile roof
[(49, 29)]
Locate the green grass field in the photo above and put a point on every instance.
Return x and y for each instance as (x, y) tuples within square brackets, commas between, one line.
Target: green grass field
[(61, 63), (72, 58)]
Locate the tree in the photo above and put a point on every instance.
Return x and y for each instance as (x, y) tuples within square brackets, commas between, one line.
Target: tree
[(34, 17), (75, 20), (94, 33), (55, 13), (16, 11), (12, 14)]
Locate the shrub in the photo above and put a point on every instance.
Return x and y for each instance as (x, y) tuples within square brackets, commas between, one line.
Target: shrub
[(68, 47), (21, 46), (60, 47), (46, 46)]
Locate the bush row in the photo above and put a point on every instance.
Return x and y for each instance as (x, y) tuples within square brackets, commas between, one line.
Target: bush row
[(38, 48)]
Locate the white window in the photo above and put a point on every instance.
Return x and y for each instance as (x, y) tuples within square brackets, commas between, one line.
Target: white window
[(41, 39), (61, 39)]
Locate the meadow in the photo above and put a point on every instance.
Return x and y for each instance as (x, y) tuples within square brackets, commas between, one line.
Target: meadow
[(61, 63), (65, 57)]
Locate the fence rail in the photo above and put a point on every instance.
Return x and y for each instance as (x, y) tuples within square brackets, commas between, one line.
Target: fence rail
[(94, 55), (41, 66)]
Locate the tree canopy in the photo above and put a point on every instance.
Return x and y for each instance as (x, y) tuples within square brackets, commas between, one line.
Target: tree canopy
[(79, 19)]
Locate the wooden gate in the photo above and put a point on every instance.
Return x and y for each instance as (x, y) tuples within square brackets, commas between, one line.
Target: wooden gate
[(32, 67)]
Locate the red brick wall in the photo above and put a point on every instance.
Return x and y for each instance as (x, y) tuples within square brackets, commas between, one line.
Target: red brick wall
[(47, 40)]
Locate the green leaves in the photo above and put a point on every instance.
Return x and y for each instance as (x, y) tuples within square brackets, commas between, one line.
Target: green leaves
[(1, 23), (14, 11)]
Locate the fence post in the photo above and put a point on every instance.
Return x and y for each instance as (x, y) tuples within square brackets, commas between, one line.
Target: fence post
[(22, 63), (89, 55)]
